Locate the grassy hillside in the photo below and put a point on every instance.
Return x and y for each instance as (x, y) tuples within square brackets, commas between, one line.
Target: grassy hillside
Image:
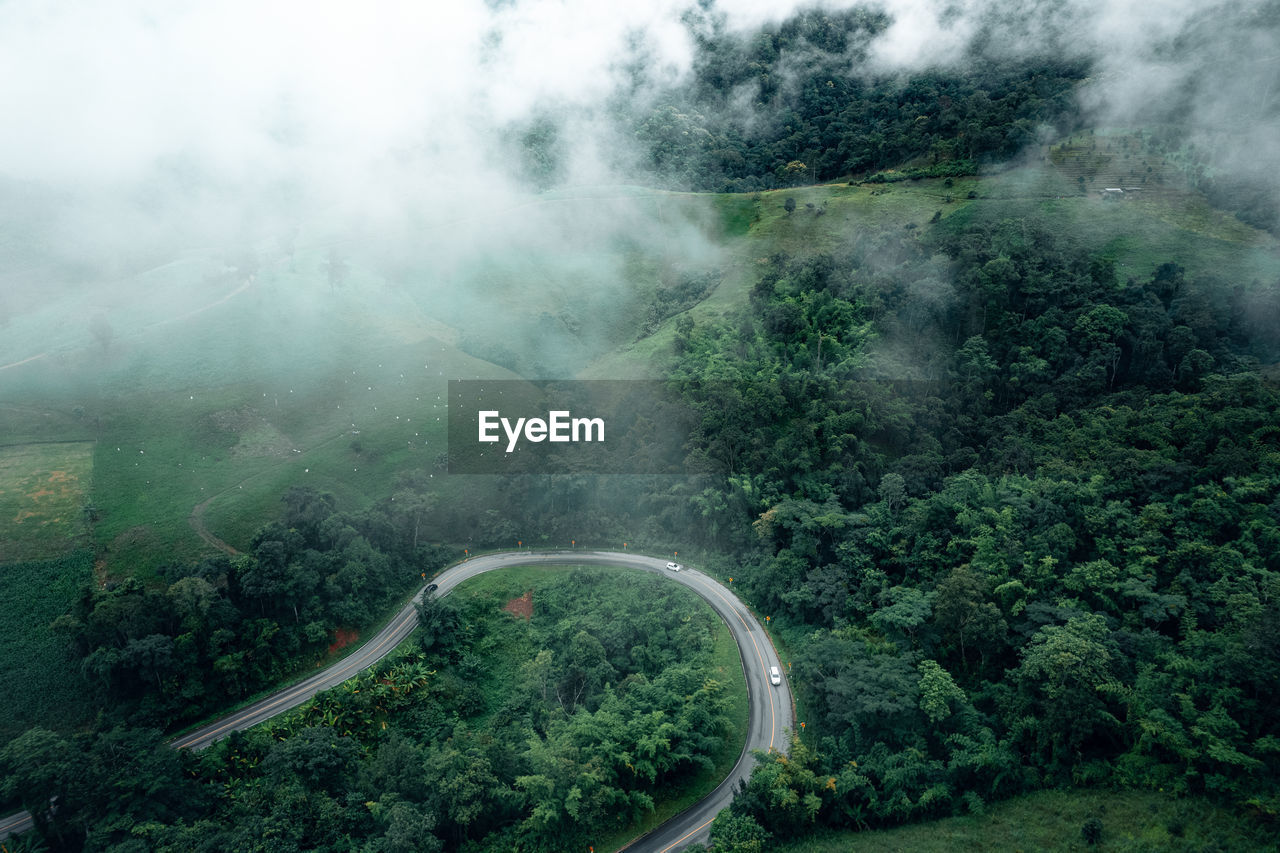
[(1174, 225), (222, 399)]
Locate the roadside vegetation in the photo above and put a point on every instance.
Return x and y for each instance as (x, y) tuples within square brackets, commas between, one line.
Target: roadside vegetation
[(535, 710), (210, 634)]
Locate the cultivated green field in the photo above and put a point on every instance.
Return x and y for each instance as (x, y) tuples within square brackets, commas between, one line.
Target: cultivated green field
[(44, 684), (43, 492)]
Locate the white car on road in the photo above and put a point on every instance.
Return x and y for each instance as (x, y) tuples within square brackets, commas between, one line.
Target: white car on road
[(775, 677), (675, 567)]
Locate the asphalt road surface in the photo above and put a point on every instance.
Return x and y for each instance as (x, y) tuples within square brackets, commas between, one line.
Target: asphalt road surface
[(770, 705)]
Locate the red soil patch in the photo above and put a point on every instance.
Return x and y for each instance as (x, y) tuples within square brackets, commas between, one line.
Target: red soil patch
[(522, 606), (343, 638), (63, 479)]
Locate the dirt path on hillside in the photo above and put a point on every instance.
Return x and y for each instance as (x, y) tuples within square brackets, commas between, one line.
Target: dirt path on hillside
[(196, 520), (244, 285), (24, 361)]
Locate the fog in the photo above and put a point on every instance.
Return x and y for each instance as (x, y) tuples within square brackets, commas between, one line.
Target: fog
[(337, 157), (1208, 68), (250, 141)]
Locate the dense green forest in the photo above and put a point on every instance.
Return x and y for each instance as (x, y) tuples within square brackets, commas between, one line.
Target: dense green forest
[(1016, 517), (485, 732), (794, 103), (1041, 550), (208, 635)]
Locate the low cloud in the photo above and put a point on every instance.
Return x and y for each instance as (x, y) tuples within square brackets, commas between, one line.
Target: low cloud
[(136, 129)]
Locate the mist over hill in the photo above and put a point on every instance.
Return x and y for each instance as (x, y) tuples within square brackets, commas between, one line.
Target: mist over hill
[(407, 149), (972, 306)]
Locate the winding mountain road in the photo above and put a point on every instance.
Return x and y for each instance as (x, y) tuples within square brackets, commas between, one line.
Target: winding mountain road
[(770, 706)]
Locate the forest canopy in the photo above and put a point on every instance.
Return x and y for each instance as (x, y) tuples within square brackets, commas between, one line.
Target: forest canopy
[(1049, 557)]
